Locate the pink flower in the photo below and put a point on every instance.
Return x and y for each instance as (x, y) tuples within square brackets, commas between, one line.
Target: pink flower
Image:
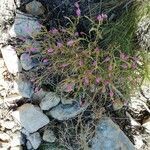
[(50, 50), (81, 63), (134, 65), (76, 4), (98, 79), (36, 89), (94, 63), (110, 68), (70, 43), (78, 12), (97, 49), (124, 66), (59, 45), (106, 82), (106, 59), (104, 16), (111, 93), (122, 56), (85, 81), (45, 60), (76, 34), (99, 18), (64, 65), (32, 49), (69, 87), (54, 31)]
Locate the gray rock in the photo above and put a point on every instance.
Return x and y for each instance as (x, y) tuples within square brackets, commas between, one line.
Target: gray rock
[(28, 145), (23, 86), (67, 101), (35, 8), (30, 117), (39, 95), (26, 61), (109, 137), (65, 112), (11, 59), (49, 136), (35, 140), (49, 101), (24, 26)]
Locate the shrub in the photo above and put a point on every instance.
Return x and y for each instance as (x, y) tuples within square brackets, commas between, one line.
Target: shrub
[(105, 60)]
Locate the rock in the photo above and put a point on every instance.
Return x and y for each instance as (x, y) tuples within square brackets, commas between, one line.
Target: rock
[(26, 61), (146, 125), (108, 136), (118, 104), (28, 44), (28, 145), (4, 136), (39, 95), (12, 97), (23, 86), (65, 112), (24, 26), (25, 132), (8, 124), (67, 101), (17, 148), (17, 139), (133, 122), (11, 59), (35, 140), (138, 142), (49, 101), (30, 117), (7, 9), (49, 136), (35, 8), (143, 32)]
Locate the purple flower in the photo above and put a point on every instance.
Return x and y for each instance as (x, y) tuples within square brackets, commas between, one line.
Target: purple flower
[(110, 68), (104, 16), (76, 4), (85, 81), (50, 50), (59, 45), (97, 49), (94, 63), (81, 63), (64, 65), (111, 93), (98, 79), (107, 59), (124, 66), (54, 31), (45, 60), (32, 49), (69, 87), (70, 43), (76, 34), (99, 18), (78, 12)]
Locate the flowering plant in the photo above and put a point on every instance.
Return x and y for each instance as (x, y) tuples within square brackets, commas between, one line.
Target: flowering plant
[(92, 62)]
